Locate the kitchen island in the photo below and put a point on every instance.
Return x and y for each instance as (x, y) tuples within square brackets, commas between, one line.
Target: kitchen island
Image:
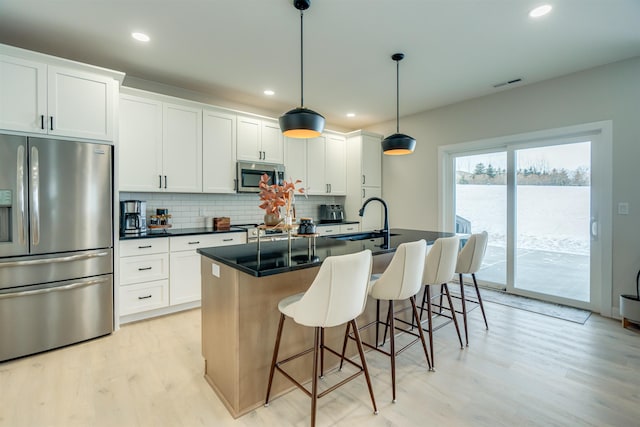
[(241, 288)]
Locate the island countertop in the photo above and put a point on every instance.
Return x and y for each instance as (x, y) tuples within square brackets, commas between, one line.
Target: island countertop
[(273, 257)]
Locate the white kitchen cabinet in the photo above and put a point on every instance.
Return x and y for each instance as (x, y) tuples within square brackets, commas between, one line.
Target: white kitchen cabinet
[(328, 229), (364, 177), (181, 148), (327, 165), (160, 144), (295, 161), (40, 98), (349, 228), (185, 262), (259, 140), (140, 151), (144, 274), (218, 152)]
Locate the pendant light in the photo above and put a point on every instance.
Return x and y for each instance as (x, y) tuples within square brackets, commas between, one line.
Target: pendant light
[(301, 122), (398, 143)]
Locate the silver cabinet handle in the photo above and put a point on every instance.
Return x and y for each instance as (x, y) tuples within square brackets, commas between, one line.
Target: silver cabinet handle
[(145, 297), (144, 247), (53, 260), (194, 243), (364, 180), (51, 122), (35, 195), (22, 223), (56, 289), (227, 240), (42, 121), (159, 181), (165, 181), (144, 268)]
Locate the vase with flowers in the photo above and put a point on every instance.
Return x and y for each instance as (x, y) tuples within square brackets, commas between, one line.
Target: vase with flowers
[(276, 196)]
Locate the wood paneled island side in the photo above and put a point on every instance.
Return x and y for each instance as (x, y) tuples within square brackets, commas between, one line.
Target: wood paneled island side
[(240, 293)]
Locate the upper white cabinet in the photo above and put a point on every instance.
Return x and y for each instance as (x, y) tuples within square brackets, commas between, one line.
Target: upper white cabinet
[(364, 177), (259, 140), (327, 165), (181, 148), (218, 152), (160, 145), (295, 160), (39, 98), (140, 144)]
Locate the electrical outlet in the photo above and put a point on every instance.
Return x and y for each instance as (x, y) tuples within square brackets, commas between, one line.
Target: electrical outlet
[(623, 208)]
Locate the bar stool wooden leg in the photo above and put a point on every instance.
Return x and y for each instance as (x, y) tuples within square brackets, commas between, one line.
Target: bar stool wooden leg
[(274, 360), (475, 283), (344, 346), (314, 380), (427, 295), (420, 331), (464, 311), (392, 351), (356, 334), (453, 314), (322, 353)]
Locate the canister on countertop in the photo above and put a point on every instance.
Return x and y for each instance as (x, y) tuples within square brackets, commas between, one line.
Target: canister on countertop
[(221, 223)]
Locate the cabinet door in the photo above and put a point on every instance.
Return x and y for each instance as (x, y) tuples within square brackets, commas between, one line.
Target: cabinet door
[(140, 147), (371, 161), (373, 214), (184, 277), (23, 95), (249, 144), (317, 183), (296, 160), (80, 104), (182, 148), (336, 165), (272, 142), (218, 152)]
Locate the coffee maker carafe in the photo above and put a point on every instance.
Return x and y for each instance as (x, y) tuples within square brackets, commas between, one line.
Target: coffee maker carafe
[(133, 217)]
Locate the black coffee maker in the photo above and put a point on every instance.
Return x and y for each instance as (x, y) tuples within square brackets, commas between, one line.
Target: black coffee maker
[(133, 217)]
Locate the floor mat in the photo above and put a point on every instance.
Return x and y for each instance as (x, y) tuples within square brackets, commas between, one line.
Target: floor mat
[(564, 312)]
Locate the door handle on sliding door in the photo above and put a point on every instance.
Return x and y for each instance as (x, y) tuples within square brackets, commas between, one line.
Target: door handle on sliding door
[(593, 228)]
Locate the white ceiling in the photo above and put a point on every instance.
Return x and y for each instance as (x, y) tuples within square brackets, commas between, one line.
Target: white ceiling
[(233, 49)]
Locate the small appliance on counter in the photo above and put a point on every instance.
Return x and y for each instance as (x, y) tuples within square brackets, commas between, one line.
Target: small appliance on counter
[(133, 217), (160, 220), (331, 214)]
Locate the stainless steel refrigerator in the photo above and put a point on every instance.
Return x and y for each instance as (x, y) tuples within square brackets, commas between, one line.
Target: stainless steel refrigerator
[(56, 243)]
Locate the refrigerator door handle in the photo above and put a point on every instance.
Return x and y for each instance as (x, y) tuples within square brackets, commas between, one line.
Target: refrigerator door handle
[(22, 223), (55, 289), (53, 260), (35, 194)]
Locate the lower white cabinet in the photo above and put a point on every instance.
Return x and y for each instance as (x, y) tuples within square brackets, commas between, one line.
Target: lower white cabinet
[(164, 273), (185, 263), (331, 229)]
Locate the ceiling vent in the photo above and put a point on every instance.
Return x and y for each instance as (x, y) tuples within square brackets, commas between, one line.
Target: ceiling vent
[(510, 82)]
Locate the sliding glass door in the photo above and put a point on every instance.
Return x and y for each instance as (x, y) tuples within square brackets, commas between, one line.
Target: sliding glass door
[(544, 201)]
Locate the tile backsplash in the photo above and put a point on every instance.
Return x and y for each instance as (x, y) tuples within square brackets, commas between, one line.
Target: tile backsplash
[(193, 210)]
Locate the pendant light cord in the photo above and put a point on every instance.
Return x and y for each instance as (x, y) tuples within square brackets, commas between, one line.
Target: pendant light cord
[(397, 96), (301, 60)]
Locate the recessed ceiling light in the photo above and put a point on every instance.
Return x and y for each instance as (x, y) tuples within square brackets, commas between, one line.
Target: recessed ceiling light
[(351, 114), (140, 37), (540, 11), (269, 92)]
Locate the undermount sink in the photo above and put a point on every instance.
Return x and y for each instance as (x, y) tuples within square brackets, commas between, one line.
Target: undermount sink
[(361, 236)]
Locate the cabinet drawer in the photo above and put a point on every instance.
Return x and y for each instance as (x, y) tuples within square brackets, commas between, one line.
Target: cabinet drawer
[(144, 268), (349, 228), (144, 296), (186, 243), (328, 230), (144, 246)]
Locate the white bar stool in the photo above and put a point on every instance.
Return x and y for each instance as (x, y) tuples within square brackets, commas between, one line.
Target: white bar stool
[(401, 280), (469, 262), (439, 268), (337, 296)]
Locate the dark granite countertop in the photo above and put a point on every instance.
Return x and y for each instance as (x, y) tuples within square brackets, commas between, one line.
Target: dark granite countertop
[(173, 232), (273, 257)]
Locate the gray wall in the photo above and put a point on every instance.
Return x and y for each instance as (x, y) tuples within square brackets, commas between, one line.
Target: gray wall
[(610, 92)]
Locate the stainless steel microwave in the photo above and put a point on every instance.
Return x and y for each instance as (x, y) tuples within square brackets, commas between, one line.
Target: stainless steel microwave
[(249, 173)]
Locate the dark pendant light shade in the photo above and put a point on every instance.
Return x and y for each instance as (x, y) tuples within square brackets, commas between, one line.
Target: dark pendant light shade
[(301, 122), (398, 143)]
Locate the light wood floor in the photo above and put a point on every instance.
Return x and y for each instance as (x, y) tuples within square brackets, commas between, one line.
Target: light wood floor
[(528, 370)]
